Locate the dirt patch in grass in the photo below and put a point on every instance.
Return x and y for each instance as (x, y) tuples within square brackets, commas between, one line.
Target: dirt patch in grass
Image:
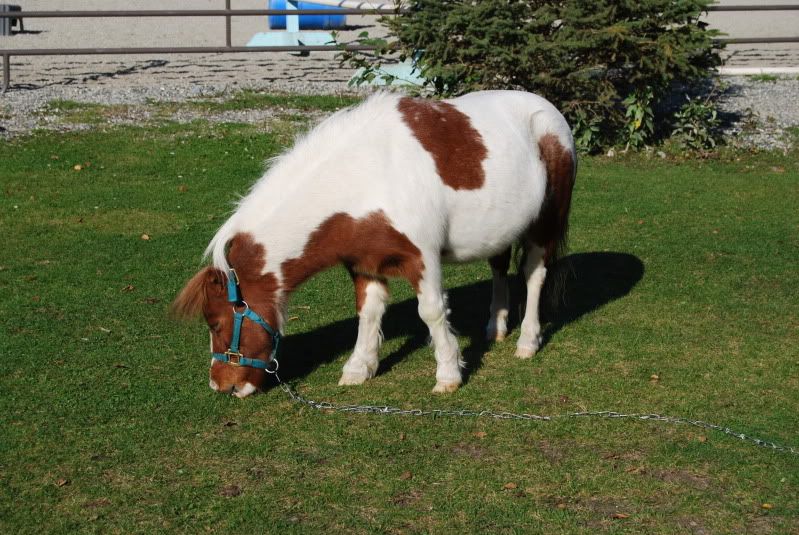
[(683, 478)]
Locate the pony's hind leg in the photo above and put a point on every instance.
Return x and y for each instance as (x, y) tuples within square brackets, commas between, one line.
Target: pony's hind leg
[(497, 327), (371, 295), (535, 272), (433, 311)]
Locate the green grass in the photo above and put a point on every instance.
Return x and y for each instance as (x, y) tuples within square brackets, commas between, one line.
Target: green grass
[(764, 78), (684, 270)]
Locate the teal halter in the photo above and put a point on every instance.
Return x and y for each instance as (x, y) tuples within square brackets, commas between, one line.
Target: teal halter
[(233, 355)]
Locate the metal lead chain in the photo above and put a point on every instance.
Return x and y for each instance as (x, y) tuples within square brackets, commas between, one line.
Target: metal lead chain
[(469, 413)]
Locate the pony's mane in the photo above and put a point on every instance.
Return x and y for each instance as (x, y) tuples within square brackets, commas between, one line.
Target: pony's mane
[(328, 139)]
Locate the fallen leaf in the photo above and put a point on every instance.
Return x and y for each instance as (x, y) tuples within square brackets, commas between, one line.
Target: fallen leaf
[(640, 221), (104, 329), (77, 167), (702, 439), (563, 399), (767, 506), (120, 366), (619, 516), (406, 475), (481, 434), (654, 378), (36, 298), (230, 423), (145, 237), (62, 482), (778, 169), (151, 300), (54, 157), (230, 491), (293, 318), (183, 188), (128, 288), (561, 506), (510, 486), (402, 436)]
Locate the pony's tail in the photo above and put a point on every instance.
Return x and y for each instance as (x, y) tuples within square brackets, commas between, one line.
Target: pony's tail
[(555, 147)]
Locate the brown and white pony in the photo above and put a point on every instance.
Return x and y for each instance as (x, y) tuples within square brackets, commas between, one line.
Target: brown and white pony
[(390, 188)]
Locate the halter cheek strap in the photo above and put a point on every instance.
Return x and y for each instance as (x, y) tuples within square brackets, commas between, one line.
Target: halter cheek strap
[(233, 355)]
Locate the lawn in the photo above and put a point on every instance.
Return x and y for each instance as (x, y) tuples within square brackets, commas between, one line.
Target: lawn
[(680, 299)]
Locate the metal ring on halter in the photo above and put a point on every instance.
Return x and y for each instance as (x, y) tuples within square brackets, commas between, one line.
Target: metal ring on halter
[(246, 306), (277, 365)]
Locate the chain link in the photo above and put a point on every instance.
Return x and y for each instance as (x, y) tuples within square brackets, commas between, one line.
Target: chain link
[(470, 413)]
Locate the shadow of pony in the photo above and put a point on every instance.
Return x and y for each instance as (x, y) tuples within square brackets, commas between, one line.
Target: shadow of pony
[(577, 284)]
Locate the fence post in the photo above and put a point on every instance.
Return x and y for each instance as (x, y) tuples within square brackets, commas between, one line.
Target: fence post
[(227, 24), (6, 72)]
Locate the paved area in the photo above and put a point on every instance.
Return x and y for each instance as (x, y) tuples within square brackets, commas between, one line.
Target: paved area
[(283, 71), (746, 59)]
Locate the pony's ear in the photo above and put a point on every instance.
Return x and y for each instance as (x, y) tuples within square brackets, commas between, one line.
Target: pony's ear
[(207, 284)]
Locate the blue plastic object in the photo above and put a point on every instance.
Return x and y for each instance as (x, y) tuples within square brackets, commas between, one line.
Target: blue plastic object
[(307, 22)]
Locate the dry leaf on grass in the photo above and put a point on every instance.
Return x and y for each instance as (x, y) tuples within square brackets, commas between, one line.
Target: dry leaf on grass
[(406, 475), (510, 486)]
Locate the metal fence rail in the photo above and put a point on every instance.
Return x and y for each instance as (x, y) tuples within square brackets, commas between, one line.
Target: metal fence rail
[(228, 13), (228, 48)]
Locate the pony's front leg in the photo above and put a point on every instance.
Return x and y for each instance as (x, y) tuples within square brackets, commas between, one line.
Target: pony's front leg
[(433, 311), (371, 295)]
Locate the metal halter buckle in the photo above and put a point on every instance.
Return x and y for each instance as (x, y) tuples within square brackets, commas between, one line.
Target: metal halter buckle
[(233, 358)]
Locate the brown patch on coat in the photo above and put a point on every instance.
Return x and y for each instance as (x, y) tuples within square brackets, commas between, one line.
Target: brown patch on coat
[(369, 246), (549, 230), (448, 135)]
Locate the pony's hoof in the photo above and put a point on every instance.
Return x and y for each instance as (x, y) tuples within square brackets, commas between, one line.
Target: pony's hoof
[(525, 352), (445, 388), (349, 379), (496, 336)]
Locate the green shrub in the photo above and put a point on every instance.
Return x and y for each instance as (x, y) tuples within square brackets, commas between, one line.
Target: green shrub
[(596, 61), (696, 125)]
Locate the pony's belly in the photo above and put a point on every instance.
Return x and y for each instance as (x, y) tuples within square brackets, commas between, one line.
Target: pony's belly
[(482, 239)]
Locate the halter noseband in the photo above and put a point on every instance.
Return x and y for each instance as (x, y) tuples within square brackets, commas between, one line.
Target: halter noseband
[(232, 355)]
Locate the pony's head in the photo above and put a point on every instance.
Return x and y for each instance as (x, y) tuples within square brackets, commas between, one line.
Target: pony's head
[(242, 321)]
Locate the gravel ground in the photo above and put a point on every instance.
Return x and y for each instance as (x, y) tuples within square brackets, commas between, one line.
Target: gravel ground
[(38, 80), (757, 113)]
